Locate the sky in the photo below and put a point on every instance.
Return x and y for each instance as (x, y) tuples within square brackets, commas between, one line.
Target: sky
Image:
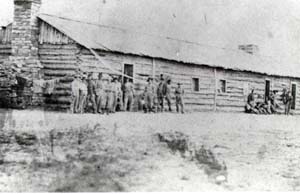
[(274, 25)]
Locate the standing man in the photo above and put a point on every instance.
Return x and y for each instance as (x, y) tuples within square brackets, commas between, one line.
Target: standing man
[(92, 92), (161, 91), (75, 93), (119, 94), (128, 94), (99, 93), (83, 92), (179, 94), (168, 94), (109, 90), (149, 95), (289, 100)]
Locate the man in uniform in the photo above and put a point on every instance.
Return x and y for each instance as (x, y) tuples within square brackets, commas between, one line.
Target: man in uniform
[(83, 92), (168, 94), (149, 95), (75, 93), (128, 94), (161, 91), (179, 94), (92, 92), (99, 93), (118, 94), (109, 90), (251, 103), (288, 102)]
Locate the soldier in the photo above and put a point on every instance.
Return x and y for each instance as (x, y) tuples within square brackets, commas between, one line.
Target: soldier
[(109, 95), (179, 94), (128, 95), (149, 95), (118, 94), (161, 91), (83, 92), (288, 103), (92, 92), (168, 94), (99, 93), (251, 104), (103, 104), (114, 94), (75, 93)]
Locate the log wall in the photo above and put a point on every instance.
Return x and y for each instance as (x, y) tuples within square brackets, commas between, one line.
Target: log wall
[(209, 97), (59, 61), (5, 52), (49, 35), (60, 57)]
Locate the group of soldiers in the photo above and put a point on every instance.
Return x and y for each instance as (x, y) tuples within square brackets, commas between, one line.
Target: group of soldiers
[(269, 105), (155, 95), (106, 94)]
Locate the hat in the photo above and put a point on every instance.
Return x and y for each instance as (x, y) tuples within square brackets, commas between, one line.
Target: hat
[(105, 77), (84, 76), (161, 76)]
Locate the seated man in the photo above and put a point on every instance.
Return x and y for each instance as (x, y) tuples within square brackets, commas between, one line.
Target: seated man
[(251, 104)]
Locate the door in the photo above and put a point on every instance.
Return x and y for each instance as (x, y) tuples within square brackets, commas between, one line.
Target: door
[(294, 89), (267, 90), (128, 70)]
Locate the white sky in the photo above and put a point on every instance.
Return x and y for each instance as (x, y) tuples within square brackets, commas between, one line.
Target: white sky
[(274, 25)]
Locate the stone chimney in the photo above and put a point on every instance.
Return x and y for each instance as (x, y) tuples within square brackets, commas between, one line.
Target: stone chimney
[(249, 48), (25, 34)]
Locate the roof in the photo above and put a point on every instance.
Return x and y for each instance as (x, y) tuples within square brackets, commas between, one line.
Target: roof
[(129, 42)]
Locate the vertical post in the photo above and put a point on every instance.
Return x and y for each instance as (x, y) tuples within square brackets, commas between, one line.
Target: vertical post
[(216, 88)]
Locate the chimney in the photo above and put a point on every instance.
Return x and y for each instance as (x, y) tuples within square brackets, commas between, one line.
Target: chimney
[(249, 48), (25, 34)]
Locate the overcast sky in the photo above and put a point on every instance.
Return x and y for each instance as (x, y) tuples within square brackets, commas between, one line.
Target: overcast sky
[(274, 25)]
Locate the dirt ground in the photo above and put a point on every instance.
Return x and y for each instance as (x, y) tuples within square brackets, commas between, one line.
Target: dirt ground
[(121, 152)]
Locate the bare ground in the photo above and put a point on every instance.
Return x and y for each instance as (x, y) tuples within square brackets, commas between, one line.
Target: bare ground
[(120, 152)]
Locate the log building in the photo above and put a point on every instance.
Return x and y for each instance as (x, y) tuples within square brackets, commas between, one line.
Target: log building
[(214, 79)]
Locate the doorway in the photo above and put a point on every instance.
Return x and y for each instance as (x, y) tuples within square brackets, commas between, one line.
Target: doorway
[(128, 70), (267, 90), (294, 91)]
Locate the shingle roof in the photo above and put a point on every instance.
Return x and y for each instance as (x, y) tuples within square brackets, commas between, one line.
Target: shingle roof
[(129, 42)]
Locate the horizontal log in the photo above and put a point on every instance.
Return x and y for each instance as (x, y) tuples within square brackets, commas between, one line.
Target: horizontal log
[(5, 46), (56, 53), (58, 61), (60, 67), (58, 46), (61, 57), (60, 73)]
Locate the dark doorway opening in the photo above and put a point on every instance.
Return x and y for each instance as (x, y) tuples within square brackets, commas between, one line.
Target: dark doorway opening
[(294, 91), (128, 70), (267, 90)]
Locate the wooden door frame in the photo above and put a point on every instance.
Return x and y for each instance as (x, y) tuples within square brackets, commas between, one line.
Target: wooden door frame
[(133, 72), (291, 88)]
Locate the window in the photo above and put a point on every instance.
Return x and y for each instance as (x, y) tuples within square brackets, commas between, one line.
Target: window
[(222, 86), (195, 84)]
